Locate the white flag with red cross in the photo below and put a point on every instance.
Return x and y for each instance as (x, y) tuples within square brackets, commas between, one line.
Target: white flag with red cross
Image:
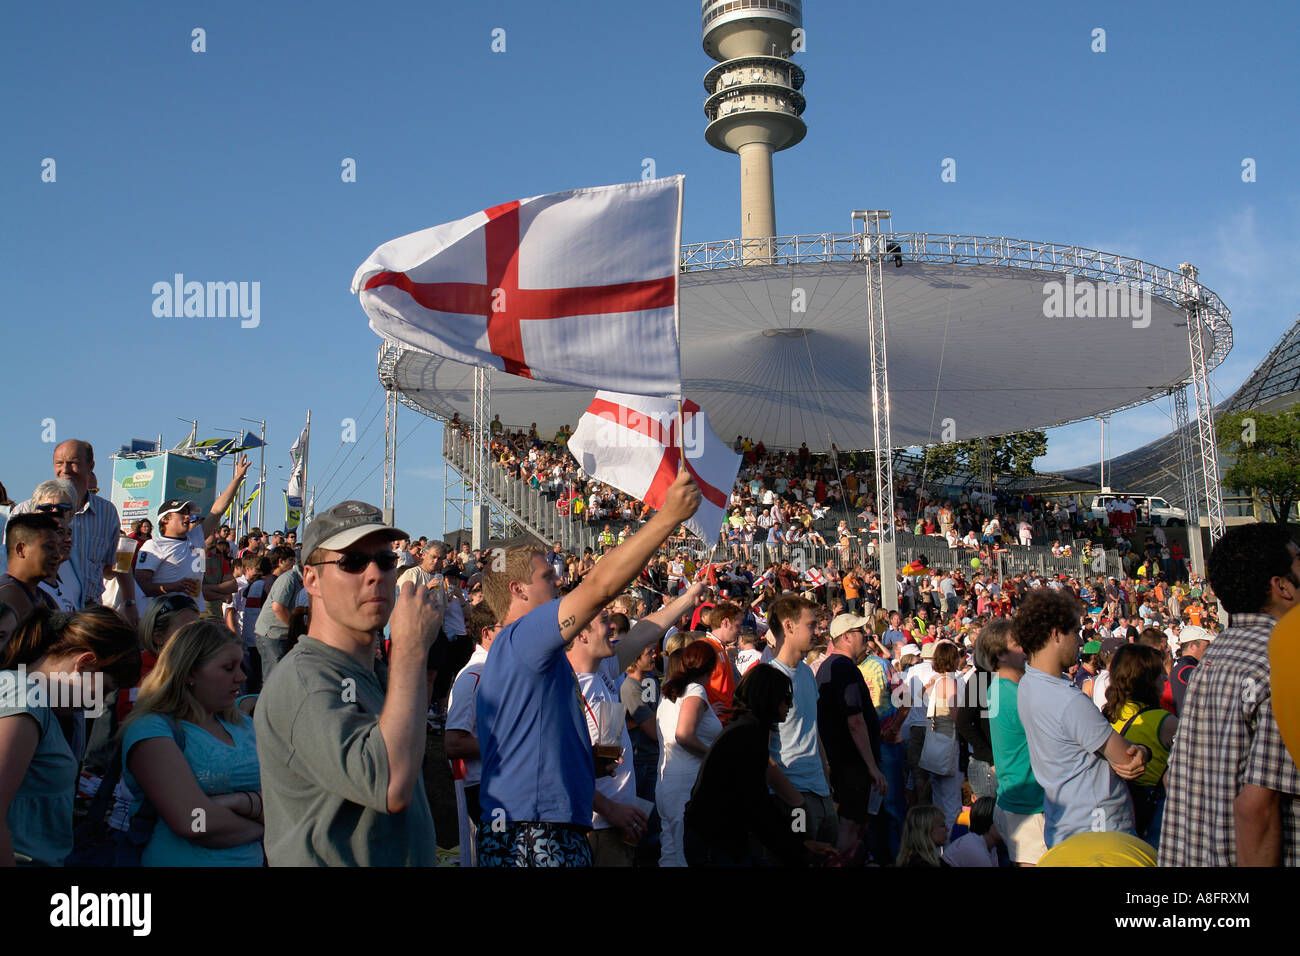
[(633, 443), (576, 287), (764, 578), (814, 577)]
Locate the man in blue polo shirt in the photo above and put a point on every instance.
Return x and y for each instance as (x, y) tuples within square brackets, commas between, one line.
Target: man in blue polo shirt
[(1077, 757), (538, 779)]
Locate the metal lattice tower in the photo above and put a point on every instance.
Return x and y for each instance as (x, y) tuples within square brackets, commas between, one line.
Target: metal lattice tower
[(390, 455), (1206, 446), (873, 250), (1191, 484), (479, 477)]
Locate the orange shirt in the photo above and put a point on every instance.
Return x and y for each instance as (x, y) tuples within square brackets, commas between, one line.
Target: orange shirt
[(852, 587), (722, 682), (1195, 615)]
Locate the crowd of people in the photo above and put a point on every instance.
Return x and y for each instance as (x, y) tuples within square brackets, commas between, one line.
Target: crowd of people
[(787, 501), (632, 707)]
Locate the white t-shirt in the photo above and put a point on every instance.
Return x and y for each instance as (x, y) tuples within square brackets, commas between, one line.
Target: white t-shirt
[(248, 618), (172, 560), (66, 590), (674, 759), (460, 708), (620, 788), (914, 680), (236, 603), (747, 658), (1099, 685)]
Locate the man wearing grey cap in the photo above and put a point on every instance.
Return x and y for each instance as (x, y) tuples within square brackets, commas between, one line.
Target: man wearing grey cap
[(341, 755)]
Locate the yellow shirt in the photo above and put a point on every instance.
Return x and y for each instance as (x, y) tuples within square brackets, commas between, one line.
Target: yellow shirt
[(1145, 730), (1100, 849)]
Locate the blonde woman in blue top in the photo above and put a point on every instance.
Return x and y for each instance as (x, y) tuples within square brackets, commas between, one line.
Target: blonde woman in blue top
[(207, 795)]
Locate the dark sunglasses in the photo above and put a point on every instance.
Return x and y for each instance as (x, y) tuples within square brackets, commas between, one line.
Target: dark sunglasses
[(54, 508), (177, 602), (354, 562)]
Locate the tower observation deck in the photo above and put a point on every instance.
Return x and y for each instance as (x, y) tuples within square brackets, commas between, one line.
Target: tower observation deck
[(754, 106)]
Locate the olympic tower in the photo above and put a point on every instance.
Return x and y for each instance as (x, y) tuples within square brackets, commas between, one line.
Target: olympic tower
[(754, 104)]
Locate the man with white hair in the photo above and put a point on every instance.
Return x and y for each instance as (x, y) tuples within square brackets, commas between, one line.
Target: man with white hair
[(57, 497), (95, 525)]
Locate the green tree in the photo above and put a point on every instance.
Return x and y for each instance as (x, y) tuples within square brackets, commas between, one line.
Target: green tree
[(1265, 447), (1011, 455)]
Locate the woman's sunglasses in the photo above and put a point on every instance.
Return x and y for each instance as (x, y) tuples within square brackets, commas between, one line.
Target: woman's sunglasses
[(61, 509), (354, 562), (172, 603)]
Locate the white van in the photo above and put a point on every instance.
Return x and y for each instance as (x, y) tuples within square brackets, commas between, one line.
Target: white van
[(1150, 510)]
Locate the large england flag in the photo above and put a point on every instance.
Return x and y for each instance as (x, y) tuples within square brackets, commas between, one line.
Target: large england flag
[(632, 443), (576, 287)]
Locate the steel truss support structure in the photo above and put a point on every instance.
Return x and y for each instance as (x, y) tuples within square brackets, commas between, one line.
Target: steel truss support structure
[(1206, 449), (479, 478), (1191, 493), (874, 244), (390, 455)]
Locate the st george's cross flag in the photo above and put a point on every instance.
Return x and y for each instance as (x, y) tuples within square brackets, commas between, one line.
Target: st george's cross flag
[(576, 287), (814, 577), (632, 443)]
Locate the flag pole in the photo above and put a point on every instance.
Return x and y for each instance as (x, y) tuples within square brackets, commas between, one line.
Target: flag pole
[(681, 436)]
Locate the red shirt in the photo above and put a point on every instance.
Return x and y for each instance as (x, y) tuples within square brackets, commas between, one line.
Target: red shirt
[(126, 696)]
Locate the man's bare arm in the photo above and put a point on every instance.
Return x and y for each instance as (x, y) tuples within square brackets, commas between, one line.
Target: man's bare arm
[(620, 567)]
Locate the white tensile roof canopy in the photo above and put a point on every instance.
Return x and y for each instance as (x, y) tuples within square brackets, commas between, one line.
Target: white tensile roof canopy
[(781, 352)]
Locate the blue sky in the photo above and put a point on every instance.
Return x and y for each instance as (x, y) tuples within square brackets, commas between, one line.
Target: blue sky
[(225, 166)]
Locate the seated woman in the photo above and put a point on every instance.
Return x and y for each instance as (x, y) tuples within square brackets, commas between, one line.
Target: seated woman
[(195, 687), (730, 802), (39, 745), (925, 833)]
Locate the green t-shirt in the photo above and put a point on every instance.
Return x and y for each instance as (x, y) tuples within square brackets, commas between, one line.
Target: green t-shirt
[(1018, 791), (324, 768)]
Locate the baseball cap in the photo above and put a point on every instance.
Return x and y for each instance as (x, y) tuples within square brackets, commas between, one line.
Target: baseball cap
[(173, 505), (1193, 633), (345, 524), (846, 622), (1092, 647), (1111, 644)]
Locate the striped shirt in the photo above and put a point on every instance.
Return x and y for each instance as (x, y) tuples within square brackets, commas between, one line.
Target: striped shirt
[(1227, 738), (95, 532)]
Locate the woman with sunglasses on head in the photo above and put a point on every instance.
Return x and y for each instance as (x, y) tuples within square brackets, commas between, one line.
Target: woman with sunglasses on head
[(57, 498), (188, 748), (39, 749)]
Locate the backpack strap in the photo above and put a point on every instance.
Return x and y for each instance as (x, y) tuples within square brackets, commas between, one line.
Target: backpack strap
[(1129, 722)]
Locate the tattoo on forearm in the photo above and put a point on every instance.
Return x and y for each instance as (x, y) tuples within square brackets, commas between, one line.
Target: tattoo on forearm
[(568, 622)]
